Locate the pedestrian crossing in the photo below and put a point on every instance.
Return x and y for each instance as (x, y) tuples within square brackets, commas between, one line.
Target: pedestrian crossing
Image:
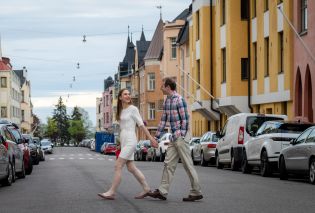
[(79, 156)]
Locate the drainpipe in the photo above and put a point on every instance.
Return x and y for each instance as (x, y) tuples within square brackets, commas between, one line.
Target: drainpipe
[(249, 64), (211, 62)]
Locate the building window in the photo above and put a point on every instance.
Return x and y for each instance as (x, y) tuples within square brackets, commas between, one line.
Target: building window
[(107, 117), (223, 65), (255, 60), (266, 57), (23, 99), (254, 13), (244, 68), (281, 53), (23, 115), (151, 111), (4, 82), (244, 9), (151, 81), (198, 74), (266, 5), (223, 12), (197, 25), (303, 15), (173, 48), (4, 112)]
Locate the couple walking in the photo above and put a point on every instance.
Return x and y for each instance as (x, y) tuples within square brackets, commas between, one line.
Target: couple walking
[(174, 112)]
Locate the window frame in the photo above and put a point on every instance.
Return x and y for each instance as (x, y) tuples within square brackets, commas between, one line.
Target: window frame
[(151, 82), (4, 82), (173, 48)]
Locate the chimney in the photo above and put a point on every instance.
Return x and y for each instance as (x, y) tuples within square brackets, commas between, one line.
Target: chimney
[(25, 72)]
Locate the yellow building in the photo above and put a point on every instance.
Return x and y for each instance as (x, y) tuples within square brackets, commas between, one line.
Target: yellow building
[(244, 60)]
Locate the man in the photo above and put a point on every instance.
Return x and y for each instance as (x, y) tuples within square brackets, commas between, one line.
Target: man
[(175, 112)]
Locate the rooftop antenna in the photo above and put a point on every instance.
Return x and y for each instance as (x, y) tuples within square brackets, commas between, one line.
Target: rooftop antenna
[(84, 38), (160, 8)]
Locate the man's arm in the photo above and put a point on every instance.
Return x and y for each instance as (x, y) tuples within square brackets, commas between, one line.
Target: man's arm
[(162, 123), (184, 117)]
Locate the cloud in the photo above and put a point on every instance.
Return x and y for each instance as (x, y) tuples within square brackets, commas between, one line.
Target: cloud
[(83, 99)]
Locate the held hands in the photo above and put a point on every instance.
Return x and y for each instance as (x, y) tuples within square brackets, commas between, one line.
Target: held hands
[(154, 143)]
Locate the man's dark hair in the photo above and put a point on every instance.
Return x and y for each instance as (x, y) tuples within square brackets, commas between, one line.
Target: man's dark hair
[(170, 82)]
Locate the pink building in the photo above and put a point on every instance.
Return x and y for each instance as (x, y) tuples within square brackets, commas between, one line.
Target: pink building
[(304, 60), (107, 108)]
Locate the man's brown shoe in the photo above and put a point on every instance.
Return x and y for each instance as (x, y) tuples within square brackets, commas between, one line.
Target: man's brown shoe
[(156, 194), (191, 198)]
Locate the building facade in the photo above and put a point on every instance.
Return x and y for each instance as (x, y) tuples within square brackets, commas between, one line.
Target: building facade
[(304, 60)]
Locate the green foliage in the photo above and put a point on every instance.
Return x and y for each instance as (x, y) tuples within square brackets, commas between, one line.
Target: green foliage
[(62, 120), (76, 130), (51, 129)]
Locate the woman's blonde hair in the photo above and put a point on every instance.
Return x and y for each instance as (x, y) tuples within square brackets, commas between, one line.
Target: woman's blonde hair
[(119, 104)]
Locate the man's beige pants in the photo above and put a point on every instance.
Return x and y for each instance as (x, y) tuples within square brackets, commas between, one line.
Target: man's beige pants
[(179, 149)]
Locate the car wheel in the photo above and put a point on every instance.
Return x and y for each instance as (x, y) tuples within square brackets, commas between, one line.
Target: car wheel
[(282, 169), (265, 169), (312, 171), (9, 179), (22, 173), (217, 162), (233, 163), (30, 168), (203, 161), (193, 158), (246, 169)]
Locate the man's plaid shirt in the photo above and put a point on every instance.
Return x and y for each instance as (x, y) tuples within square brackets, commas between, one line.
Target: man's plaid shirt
[(174, 111)]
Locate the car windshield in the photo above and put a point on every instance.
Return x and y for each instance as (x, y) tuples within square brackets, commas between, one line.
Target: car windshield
[(253, 123), (46, 143), (285, 128)]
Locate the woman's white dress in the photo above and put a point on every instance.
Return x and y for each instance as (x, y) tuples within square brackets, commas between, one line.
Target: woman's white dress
[(129, 118)]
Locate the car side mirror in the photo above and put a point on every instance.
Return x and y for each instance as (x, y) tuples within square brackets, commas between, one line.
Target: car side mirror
[(252, 134), (292, 142), (19, 141), (26, 140), (218, 134)]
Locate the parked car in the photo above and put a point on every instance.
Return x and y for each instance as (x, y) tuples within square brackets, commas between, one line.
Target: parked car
[(110, 149), (204, 151), (160, 151), (40, 151), (46, 146), (264, 148), (5, 164), (299, 157), (237, 130), (142, 150), (92, 145), (34, 150), (28, 164), (192, 143), (14, 151)]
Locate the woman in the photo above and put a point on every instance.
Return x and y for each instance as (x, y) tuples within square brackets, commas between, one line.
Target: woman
[(128, 116)]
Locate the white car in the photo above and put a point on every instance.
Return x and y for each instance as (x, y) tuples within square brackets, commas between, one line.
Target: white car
[(237, 130), (264, 148), (46, 146), (160, 151), (204, 151)]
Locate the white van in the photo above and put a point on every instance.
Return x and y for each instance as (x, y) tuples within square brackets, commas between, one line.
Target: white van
[(237, 130)]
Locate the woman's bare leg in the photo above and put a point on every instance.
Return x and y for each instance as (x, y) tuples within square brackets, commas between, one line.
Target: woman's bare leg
[(138, 175), (120, 163)]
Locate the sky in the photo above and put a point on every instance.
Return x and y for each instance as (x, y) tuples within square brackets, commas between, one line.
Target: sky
[(46, 38)]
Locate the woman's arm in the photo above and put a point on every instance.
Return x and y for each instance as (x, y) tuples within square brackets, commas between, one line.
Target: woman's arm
[(154, 143)]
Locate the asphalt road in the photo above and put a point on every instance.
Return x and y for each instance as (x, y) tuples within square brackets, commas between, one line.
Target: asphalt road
[(69, 180)]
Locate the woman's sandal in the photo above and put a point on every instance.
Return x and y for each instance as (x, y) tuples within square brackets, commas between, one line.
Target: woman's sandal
[(106, 197)]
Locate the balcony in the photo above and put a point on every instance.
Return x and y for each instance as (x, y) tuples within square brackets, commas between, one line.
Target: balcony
[(204, 108)]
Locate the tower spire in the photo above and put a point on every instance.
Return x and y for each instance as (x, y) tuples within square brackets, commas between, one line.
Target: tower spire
[(160, 8)]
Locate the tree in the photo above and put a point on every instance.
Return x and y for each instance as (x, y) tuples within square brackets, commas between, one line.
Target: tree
[(51, 129), (87, 123), (76, 114), (62, 120), (36, 127), (77, 131)]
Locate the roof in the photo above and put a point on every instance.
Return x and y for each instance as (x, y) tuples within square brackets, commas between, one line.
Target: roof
[(5, 64), (156, 45), (183, 15), (183, 35), (19, 73), (142, 47)]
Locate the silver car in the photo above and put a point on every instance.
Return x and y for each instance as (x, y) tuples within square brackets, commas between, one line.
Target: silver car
[(204, 152), (299, 157)]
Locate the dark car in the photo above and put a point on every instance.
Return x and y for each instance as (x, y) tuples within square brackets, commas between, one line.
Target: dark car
[(5, 164), (34, 149), (14, 152)]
